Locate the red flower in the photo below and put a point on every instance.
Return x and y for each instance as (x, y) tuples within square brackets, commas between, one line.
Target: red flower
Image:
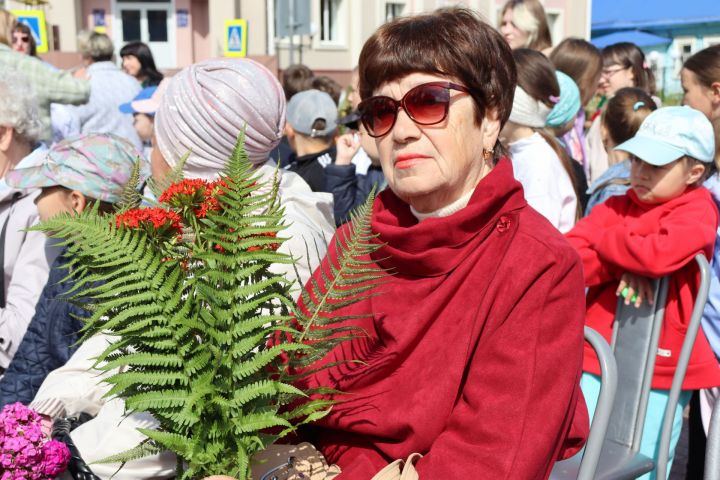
[(155, 217), (187, 187)]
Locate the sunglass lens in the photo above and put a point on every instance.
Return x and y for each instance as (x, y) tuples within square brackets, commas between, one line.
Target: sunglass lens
[(428, 104), (378, 115)]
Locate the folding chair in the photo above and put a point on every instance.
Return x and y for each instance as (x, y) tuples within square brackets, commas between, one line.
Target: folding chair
[(712, 453), (582, 466), (636, 335)]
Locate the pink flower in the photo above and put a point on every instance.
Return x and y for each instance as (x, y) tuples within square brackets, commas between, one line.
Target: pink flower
[(55, 458)]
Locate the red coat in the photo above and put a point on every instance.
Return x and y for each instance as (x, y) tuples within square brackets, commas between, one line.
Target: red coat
[(626, 235), (473, 355)]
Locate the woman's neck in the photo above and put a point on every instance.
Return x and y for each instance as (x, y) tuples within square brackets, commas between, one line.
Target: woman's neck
[(514, 132), (9, 158)]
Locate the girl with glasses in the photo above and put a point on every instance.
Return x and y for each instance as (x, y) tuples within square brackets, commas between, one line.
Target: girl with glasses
[(624, 65), (23, 40)]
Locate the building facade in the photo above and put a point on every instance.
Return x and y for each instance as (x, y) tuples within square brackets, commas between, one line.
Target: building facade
[(331, 32)]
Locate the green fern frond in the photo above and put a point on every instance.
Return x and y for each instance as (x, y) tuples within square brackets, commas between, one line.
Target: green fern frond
[(131, 196)]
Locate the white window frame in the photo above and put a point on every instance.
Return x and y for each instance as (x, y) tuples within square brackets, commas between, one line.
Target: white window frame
[(341, 19), (557, 31), (403, 5), (678, 44), (711, 40)]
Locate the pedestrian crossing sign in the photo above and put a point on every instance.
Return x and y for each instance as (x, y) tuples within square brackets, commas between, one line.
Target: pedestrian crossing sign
[(35, 19), (235, 38)]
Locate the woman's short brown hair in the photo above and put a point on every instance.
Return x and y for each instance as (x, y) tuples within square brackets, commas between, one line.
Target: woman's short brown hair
[(452, 42)]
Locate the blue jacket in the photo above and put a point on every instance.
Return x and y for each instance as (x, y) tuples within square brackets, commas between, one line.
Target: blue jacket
[(350, 189), (615, 181), (49, 341), (711, 314)]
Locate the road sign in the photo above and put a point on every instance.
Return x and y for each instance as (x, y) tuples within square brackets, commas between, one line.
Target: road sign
[(235, 38), (35, 19)]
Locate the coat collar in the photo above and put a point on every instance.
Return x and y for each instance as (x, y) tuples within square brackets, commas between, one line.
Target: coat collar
[(437, 245)]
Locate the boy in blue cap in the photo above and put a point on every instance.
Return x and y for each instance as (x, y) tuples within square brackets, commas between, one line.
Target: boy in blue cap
[(73, 175), (654, 230)]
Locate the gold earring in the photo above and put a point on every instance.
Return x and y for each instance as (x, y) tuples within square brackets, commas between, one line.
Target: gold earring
[(487, 153)]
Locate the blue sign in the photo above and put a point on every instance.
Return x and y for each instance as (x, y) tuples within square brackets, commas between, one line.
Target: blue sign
[(98, 17), (235, 38), (34, 24), (183, 18)]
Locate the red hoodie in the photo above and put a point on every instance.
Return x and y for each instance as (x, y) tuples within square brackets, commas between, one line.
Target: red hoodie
[(473, 354), (625, 235)]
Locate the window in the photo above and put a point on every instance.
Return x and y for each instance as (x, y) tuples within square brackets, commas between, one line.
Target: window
[(329, 20), (130, 25), (555, 25), (157, 25), (393, 10)]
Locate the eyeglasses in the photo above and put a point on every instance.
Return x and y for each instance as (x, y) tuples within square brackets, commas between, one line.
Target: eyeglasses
[(23, 39), (609, 72), (426, 104)]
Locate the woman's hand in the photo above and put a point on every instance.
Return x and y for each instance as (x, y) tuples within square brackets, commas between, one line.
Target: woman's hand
[(635, 289), (347, 146)]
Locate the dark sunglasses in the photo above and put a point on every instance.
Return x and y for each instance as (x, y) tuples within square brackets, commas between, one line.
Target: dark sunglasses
[(426, 104), (23, 39)]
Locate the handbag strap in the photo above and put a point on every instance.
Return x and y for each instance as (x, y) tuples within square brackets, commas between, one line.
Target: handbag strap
[(14, 198)]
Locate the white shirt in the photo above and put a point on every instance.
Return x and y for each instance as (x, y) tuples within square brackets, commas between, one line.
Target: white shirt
[(547, 186)]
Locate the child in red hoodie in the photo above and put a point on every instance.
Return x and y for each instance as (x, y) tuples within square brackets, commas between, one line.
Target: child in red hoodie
[(656, 229)]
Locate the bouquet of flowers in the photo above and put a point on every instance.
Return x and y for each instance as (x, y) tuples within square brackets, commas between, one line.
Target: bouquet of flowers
[(25, 453), (209, 339)]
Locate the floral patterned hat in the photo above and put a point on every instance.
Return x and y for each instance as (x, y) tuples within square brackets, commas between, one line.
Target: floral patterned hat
[(97, 165)]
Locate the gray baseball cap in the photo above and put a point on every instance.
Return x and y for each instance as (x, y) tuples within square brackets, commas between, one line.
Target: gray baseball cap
[(305, 107)]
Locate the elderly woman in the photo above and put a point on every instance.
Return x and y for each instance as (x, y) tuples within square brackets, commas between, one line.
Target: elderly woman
[(203, 110), (25, 257), (473, 350)]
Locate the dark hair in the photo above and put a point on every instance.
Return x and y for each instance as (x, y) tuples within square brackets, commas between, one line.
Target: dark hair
[(147, 63), (536, 75), (629, 55), (327, 85), (452, 42), (581, 61), (23, 28), (295, 78), (625, 113), (705, 64), (539, 38)]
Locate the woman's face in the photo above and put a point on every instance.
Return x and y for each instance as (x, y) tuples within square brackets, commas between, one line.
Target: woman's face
[(21, 42), (131, 65), (614, 77), (515, 37), (698, 96), (430, 166)]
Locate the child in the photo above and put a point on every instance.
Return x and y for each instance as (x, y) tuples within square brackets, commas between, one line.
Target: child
[(701, 86), (654, 230), (143, 108), (539, 162), (74, 174), (621, 120), (624, 65), (310, 130)]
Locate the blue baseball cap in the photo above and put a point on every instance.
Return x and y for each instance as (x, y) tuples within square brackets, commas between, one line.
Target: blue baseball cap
[(669, 133), (132, 107)]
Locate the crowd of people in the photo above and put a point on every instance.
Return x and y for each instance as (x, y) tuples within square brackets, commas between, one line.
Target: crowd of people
[(523, 186)]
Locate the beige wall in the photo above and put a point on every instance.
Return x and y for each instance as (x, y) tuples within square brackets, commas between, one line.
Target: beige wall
[(219, 11)]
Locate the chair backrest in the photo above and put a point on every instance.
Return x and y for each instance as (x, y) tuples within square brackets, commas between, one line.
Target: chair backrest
[(603, 410), (636, 334), (682, 364), (712, 452)]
